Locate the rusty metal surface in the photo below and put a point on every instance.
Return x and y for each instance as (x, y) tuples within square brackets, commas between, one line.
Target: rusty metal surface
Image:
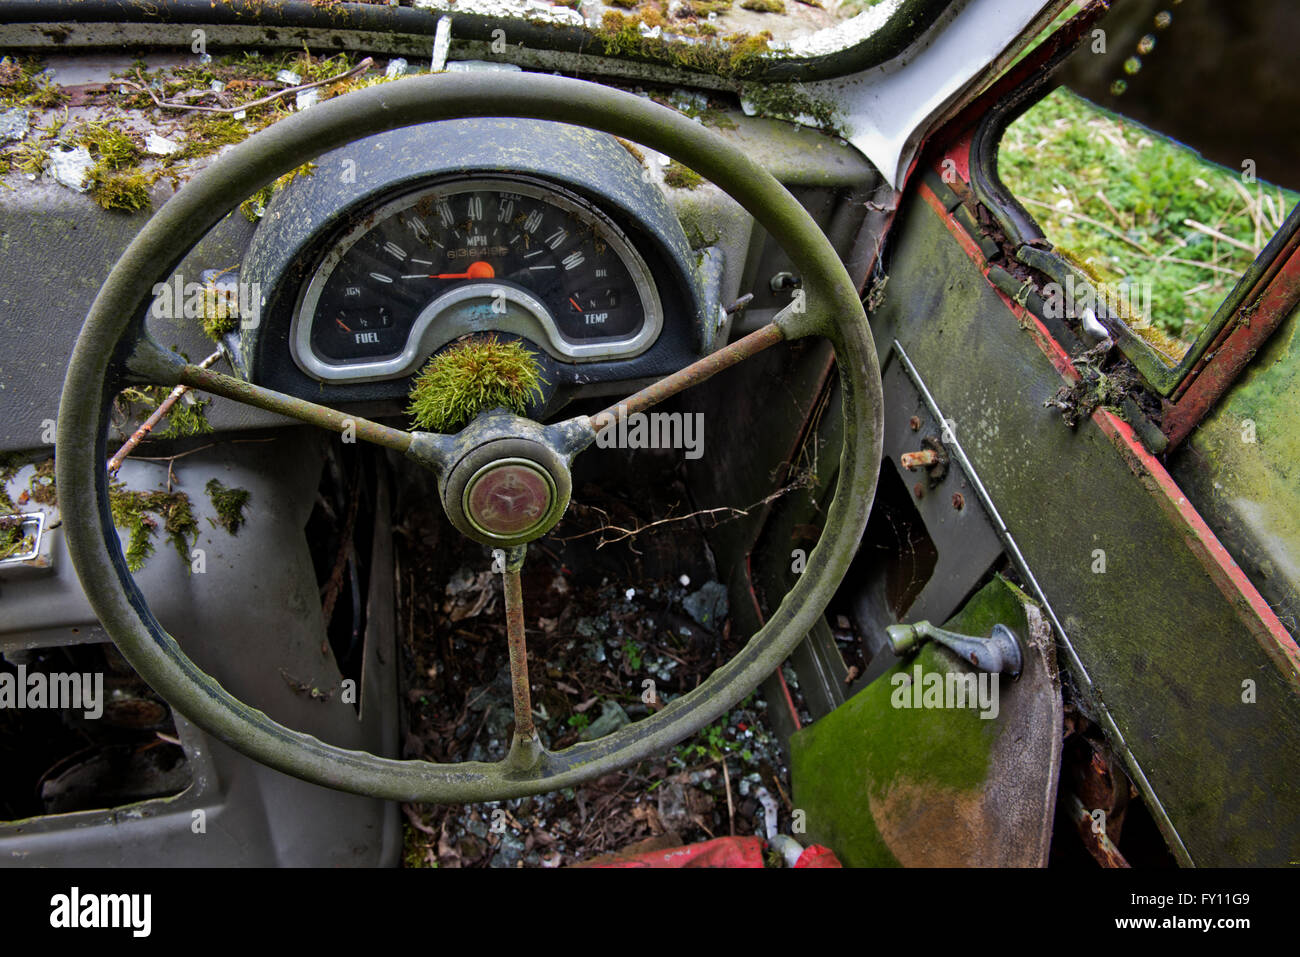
[(514, 598), (1256, 320), (216, 383)]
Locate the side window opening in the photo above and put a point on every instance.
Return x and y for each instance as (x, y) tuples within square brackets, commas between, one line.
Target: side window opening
[(1168, 209), (1163, 232)]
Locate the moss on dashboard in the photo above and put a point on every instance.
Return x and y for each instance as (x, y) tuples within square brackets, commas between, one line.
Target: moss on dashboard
[(228, 503), (139, 513)]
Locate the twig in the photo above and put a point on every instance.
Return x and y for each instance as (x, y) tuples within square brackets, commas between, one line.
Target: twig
[(731, 809), (1255, 208), (1192, 262), (1211, 231), (1088, 219), (416, 822), (1113, 211), (164, 407), (625, 533), (143, 87)]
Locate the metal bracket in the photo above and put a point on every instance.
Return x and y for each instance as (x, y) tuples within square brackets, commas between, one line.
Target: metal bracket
[(28, 518)]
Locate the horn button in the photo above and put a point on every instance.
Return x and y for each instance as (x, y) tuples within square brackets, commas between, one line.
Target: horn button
[(507, 492), (509, 497)]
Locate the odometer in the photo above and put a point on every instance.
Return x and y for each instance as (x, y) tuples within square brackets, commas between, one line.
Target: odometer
[(511, 254)]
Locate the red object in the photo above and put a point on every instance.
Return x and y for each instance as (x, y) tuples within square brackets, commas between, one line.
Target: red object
[(817, 856), (719, 852), (477, 270)]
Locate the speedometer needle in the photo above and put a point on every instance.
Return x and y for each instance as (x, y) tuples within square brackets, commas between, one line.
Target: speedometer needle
[(477, 270)]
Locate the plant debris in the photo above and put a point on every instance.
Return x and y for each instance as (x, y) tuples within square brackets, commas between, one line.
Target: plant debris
[(138, 513), (228, 503), (598, 629)]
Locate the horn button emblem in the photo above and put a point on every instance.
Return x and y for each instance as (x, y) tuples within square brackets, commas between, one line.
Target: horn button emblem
[(509, 498)]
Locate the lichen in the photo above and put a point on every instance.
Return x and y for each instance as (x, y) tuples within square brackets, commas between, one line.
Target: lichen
[(228, 503), (131, 512), (764, 6), (473, 376)]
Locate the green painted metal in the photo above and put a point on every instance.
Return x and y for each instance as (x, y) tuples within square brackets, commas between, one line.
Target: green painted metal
[(1241, 467), (113, 323), (1158, 642), (869, 771)]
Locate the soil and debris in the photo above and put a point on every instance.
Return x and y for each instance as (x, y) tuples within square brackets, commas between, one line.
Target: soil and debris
[(601, 620)]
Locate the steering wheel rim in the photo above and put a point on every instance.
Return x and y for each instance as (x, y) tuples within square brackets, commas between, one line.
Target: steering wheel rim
[(833, 309)]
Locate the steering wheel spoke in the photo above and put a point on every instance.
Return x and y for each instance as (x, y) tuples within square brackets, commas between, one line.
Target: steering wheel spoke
[(691, 375), (228, 387)]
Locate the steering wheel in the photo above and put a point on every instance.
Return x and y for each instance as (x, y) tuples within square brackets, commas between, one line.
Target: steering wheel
[(114, 350)]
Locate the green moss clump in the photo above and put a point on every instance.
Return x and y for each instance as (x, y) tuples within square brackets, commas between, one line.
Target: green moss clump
[(229, 504), (786, 101), (220, 312), (682, 177), (207, 133), (30, 158), (110, 146), (127, 192), (254, 207), (471, 377), (116, 182), (764, 6), (132, 511), (733, 55), (716, 118), (6, 503), (702, 8), (23, 84)]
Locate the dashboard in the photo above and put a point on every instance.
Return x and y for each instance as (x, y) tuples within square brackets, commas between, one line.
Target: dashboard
[(398, 245)]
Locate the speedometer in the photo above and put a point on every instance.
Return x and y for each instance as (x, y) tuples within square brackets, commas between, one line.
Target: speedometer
[(510, 254)]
